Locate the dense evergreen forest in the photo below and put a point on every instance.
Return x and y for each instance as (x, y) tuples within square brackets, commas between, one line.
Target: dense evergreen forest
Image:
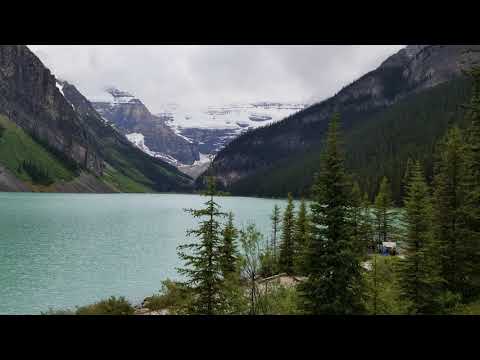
[(380, 144)]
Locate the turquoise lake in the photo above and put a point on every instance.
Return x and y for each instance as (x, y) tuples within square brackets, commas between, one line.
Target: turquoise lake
[(65, 250)]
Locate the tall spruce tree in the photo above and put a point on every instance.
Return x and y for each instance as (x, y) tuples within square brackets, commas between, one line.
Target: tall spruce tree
[(287, 247), (275, 217), (301, 238), (383, 211), (203, 266), (334, 284), (228, 249), (367, 223), (471, 186), (360, 215), (419, 271), (447, 205)]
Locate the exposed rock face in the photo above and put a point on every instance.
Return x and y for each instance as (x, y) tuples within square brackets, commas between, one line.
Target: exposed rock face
[(130, 115), (412, 69), (29, 97), (213, 127), (65, 123), (8, 182), (114, 144)]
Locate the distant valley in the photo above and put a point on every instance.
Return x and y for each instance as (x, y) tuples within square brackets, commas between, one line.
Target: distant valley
[(187, 137)]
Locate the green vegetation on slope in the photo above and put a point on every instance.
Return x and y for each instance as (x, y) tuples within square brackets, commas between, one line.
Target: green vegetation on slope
[(27, 159), (376, 145), (123, 183)]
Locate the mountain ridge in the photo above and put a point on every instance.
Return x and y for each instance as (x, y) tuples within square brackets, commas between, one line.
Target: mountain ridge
[(51, 137), (412, 70)]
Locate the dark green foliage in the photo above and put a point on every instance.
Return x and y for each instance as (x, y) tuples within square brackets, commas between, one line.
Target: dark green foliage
[(111, 306), (268, 264), (228, 250), (376, 145), (334, 284), (382, 211), (361, 221), (279, 300), (287, 247), (69, 163), (471, 186), (419, 272), (301, 238), (37, 174), (383, 287), (447, 203), (202, 258), (174, 297), (275, 230), (2, 130), (52, 311)]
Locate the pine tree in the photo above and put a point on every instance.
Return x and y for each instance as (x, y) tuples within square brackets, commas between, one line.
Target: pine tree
[(360, 215), (301, 238), (406, 177), (228, 250), (275, 229), (383, 212), (447, 201), (366, 226), (334, 284), (202, 259), (471, 186), (419, 271), (287, 247)]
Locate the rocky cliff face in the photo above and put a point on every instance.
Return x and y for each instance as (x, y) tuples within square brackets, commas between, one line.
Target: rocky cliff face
[(411, 70), (30, 98), (118, 151), (67, 129), (131, 116)]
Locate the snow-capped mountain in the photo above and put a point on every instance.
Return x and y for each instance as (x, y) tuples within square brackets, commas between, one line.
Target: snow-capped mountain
[(213, 127), (186, 137), (147, 131)]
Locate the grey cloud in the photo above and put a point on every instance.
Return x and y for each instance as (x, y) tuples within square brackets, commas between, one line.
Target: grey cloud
[(213, 75)]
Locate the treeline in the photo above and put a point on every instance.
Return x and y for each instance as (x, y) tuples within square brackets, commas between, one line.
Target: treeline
[(36, 173), (332, 249), (377, 145)]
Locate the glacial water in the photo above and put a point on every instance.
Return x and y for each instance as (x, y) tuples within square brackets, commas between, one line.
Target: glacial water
[(65, 250)]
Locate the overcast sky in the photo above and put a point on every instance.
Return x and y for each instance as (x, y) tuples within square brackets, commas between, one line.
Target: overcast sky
[(200, 75)]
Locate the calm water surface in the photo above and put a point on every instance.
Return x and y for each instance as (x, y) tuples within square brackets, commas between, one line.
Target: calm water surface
[(63, 250)]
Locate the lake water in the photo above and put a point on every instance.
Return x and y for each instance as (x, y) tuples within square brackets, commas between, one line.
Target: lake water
[(62, 250)]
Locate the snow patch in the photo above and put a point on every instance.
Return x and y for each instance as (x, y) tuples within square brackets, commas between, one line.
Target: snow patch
[(60, 88), (139, 141)]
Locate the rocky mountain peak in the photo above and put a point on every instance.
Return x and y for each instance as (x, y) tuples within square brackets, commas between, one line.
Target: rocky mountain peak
[(122, 97), (412, 50)]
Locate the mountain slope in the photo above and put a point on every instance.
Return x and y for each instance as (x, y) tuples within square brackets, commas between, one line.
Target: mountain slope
[(381, 146), (131, 116), (53, 140), (214, 126), (251, 163), (121, 154)]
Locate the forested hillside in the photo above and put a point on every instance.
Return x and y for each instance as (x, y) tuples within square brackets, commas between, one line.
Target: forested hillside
[(396, 111), (380, 147)]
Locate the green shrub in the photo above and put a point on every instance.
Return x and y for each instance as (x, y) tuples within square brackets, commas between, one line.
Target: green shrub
[(279, 300), (52, 311), (111, 306), (173, 296), (268, 264), (387, 288), (467, 309)]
